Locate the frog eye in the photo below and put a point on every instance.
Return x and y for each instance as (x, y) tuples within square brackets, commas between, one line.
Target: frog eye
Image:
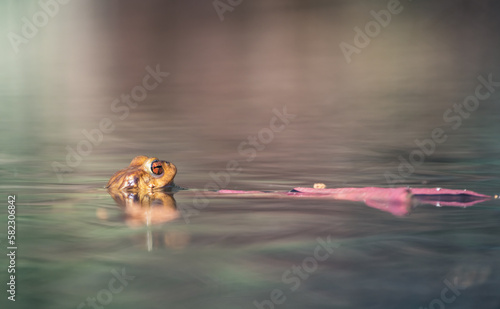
[(156, 167)]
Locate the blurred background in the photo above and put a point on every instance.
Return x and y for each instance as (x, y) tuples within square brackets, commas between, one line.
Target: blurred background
[(227, 76), (67, 66)]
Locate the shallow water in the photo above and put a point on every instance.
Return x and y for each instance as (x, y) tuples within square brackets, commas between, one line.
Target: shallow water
[(227, 81)]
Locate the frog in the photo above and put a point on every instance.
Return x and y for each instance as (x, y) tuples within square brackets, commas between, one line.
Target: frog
[(144, 174)]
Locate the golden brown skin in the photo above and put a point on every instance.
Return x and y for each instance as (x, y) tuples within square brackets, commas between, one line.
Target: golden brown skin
[(144, 173)]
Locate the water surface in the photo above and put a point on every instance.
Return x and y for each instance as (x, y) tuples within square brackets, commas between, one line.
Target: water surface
[(351, 125)]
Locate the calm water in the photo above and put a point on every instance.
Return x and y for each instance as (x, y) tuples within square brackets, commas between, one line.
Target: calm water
[(351, 125)]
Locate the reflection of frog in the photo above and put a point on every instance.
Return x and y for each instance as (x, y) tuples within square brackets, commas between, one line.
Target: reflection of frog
[(142, 207), (144, 173), (146, 207)]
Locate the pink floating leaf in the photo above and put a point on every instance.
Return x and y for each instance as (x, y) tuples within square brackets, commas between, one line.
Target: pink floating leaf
[(397, 201)]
